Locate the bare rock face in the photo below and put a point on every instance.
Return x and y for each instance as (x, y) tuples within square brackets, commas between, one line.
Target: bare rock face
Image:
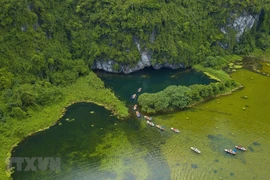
[(240, 24), (145, 61), (105, 65)]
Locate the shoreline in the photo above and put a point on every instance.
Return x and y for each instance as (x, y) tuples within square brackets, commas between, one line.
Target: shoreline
[(63, 111), (223, 94), (49, 115), (9, 170)]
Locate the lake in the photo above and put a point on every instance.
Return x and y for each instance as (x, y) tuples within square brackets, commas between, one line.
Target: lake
[(93, 144)]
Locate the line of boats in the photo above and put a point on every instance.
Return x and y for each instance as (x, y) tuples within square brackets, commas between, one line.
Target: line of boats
[(230, 151), (149, 119), (233, 152), (162, 128)]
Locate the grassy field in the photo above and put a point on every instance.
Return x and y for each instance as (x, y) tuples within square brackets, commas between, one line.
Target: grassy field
[(86, 89)]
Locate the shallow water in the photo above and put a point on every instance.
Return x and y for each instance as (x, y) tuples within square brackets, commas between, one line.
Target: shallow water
[(98, 146), (150, 80)]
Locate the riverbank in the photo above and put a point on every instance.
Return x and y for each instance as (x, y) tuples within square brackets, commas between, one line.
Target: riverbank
[(180, 97), (86, 89)]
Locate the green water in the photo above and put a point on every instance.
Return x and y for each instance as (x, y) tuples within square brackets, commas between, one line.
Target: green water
[(150, 80), (98, 146)]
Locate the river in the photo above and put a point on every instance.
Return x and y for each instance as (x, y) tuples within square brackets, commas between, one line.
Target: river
[(93, 144)]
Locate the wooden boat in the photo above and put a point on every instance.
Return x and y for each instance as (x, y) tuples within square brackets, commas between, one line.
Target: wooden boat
[(134, 96), (135, 107), (195, 150), (160, 127), (150, 123), (140, 89), (175, 130), (240, 148), (138, 114), (230, 151), (148, 118)]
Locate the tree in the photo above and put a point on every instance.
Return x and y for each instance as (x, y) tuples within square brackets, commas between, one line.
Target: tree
[(6, 79)]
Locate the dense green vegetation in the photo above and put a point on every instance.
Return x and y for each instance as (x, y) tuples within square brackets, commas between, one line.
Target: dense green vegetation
[(180, 97), (46, 46), (52, 43), (86, 89)]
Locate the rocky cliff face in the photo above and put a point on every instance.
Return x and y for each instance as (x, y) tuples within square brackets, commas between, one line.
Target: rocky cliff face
[(240, 24), (114, 67), (145, 61)]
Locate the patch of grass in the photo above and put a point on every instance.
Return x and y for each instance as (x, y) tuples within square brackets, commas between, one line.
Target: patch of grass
[(86, 89), (233, 58), (218, 75)]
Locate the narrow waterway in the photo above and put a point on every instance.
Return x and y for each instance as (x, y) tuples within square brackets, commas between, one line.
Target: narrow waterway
[(150, 80), (93, 144)]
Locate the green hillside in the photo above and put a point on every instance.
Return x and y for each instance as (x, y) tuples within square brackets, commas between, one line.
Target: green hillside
[(46, 46)]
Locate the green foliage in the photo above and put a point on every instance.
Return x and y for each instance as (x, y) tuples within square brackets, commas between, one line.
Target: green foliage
[(18, 113), (6, 79), (180, 97), (216, 62), (45, 37)]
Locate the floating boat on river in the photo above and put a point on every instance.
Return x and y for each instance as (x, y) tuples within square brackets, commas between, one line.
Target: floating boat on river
[(240, 148), (135, 107), (160, 127), (195, 150), (140, 89), (175, 130), (134, 96), (148, 118), (230, 151), (150, 123), (138, 114)]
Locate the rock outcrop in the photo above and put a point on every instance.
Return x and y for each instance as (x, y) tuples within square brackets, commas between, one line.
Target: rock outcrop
[(240, 24), (145, 61)]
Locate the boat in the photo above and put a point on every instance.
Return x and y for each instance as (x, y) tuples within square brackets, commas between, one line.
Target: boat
[(150, 123), (135, 107), (134, 96), (175, 130), (160, 127), (230, 151), (195, 150), (140, 89), (138, 114), (148, 118), (240, 148)]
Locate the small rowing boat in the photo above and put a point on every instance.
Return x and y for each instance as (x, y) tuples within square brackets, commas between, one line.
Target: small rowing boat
[(240, 148), (135, 107), (160, 127), (195, 150), (230, 151), (148, 118), (175, 130), (140, 89), (138, 114), (150, 123), (134, 96)]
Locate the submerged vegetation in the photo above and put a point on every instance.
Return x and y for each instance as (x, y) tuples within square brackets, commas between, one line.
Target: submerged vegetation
[(180, 97), (49, 47), (86, 89)]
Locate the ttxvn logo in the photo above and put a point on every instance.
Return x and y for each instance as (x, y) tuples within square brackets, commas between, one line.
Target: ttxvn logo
[(35, 163)]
